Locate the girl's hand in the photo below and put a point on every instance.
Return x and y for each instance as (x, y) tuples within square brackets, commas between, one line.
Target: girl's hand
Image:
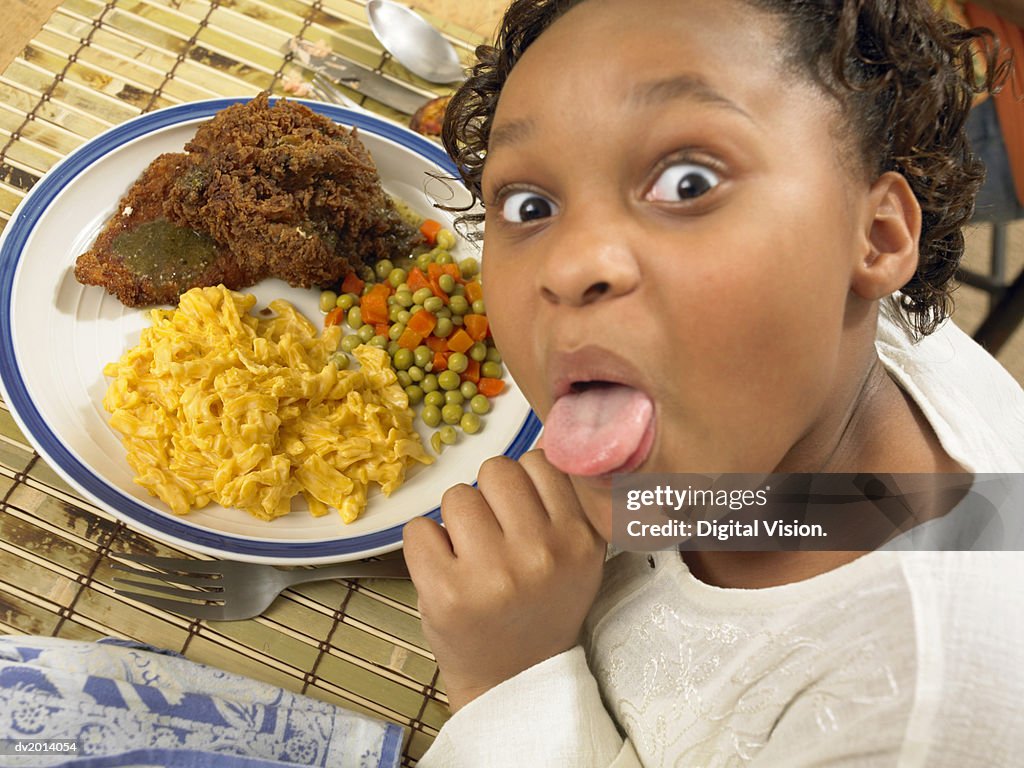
[(509, 580)]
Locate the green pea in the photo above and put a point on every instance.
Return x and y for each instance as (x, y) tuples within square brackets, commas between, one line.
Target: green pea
[(433, 304), (346, 301), (469, 267), (443, 257), (422, 295), (458, 305), (397, 276), (451, 414), (448, 435), (422, 356), (478, 351), (350, 342), (383, 268), (444, 327), (354, 318), (414, 393), (431, 415), (491, 370), (468, 389), (448, 380), (395, 331), (328, 301), (424, 260), (435, 442), (493, 355), (416, 373), (366, 273), (392, 348), (446, 283), (404, 298), (434, 398), (429, 383), (458, 320), (381, 342), (402, 316), (458, 362), (446, 239), (479, 404), (454, 397), (402, 359), (393, 312), (404, 379), (479, 307), (443, 312), (470, 423), (365, 333), (340, 360)]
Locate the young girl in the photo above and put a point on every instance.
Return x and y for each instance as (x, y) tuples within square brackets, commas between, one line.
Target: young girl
[(719, 237)]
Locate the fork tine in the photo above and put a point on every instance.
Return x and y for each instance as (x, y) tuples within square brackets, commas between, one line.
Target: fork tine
[(183, 564), (326, 88), (195, 579), (195, 610), (189, 594)]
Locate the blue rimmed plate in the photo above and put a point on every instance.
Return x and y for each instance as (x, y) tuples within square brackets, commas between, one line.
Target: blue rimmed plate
[(56, 335)]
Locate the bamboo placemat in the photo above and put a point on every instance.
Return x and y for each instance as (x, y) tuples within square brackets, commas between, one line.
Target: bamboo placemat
[(94, 65)]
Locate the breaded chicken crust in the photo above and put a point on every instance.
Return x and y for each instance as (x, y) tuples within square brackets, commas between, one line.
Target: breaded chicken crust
[(261, 191)]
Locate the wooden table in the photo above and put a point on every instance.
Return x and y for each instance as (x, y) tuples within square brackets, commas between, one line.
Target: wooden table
[(75, 71)]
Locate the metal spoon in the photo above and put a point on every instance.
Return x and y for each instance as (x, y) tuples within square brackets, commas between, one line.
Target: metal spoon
[(414, 42)]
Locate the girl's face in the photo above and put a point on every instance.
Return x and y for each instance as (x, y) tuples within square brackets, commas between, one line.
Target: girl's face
[(670, 236)]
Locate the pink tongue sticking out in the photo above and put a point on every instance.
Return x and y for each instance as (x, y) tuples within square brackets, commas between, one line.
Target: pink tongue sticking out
[(597, 430)]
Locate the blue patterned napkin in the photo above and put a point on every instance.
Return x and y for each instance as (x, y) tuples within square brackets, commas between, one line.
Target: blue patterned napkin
[(127, 704)]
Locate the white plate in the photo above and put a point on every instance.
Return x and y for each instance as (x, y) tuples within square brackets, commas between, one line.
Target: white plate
[(56, 335)]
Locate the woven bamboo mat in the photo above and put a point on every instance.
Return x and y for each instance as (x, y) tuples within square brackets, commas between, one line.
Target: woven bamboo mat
[(93, 65)]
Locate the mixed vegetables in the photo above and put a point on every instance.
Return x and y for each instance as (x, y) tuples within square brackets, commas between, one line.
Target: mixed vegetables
[(428, 312)]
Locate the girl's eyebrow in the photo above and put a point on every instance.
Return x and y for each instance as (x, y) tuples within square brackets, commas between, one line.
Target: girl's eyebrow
[(652, 93), (686, 86), (510, 133)]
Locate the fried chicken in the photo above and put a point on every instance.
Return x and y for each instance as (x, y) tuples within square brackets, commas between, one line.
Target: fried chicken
[(260, 191)]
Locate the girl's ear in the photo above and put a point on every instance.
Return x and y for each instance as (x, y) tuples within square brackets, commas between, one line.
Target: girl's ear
[(891, 235)]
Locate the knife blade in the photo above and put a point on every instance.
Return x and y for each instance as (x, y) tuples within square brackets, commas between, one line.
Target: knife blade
[(392, 93)]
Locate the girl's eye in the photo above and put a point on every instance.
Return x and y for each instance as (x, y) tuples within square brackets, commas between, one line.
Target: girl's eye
[(521, 207), (683, 181)]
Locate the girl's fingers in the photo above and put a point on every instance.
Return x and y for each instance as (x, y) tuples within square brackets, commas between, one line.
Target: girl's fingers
[(469, 521)]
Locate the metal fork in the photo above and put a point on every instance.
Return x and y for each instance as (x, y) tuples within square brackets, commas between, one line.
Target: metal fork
[(225, 590), (325, 90)]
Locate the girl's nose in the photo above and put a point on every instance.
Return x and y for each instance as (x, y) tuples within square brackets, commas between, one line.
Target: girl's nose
[(589, 261)]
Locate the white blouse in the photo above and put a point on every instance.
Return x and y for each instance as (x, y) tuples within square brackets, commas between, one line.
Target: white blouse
[(895, 659)]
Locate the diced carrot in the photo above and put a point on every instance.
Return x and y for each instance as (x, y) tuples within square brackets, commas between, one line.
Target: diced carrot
[(374, 308), (476, 326), (417, 279), (474, 291), (454, 271), (381, 289), (440, 362), (460, 341), (409, 339), (352, 284), (490, 387), (434, 272), (429, 229), (472, 372), (334, 317), (423, 322), (381, 329), (437, 344)]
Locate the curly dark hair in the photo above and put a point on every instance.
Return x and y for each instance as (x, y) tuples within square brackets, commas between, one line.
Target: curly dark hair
[(903, 76)]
